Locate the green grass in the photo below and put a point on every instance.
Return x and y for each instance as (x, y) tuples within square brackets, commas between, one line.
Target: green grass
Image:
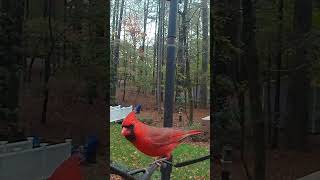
[(125, 154)]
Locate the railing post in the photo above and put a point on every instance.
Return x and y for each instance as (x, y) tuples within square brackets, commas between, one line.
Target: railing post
[(226, 163), (30, 139), (3, 144), (43, 147), (70, 144)]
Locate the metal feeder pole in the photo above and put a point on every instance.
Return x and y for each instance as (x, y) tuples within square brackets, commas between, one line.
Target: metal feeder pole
[(170, 77)]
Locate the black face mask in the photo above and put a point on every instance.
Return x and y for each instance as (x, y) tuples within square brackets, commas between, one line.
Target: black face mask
[(131, 137)]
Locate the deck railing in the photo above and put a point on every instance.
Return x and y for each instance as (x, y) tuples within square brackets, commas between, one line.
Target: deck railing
[(35, 163), (6, 147)]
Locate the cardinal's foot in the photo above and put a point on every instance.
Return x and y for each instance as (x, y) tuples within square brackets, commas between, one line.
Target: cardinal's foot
[(160, 161)]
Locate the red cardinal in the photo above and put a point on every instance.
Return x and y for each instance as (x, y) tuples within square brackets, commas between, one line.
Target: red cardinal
[(152, 141), (69, 169)]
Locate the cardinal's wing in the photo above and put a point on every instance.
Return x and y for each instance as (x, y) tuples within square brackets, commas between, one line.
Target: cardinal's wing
[(164, 136)]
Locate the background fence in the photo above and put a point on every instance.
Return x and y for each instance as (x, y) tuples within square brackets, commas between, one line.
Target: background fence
[(33, 163), (117, 112)]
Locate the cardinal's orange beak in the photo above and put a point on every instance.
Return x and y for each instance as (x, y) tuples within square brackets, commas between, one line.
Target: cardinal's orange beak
[(125, 131)]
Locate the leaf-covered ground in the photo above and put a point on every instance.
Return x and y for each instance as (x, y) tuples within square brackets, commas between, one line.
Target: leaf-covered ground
[(127, 156), (281, 164)]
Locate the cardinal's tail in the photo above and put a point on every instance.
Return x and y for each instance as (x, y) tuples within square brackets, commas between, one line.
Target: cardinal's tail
[(194, 132), (190, 133)]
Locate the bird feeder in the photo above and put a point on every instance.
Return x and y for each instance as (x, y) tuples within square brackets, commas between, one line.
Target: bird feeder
[(205, 123), (180, 115)]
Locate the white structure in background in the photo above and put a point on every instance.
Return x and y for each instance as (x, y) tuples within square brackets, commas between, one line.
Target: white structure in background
[(16, 146), (118, 113), (206, 118), (23, 162), (206, 124)]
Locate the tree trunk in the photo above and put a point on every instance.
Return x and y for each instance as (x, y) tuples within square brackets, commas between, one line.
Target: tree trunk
[(115, 5), (116, 11), (115, 62), (155, 47), (219, 97), (180, 59), (189, 84), (76, 28), (30, 68), (142, 48), (125, 69), (277, 96), (32, 61), (27, 9), (125, 78), (187, 81), (205, 51), (47, 67), (64, 54), (146, 12), (255, 88), (269, 77), (197, 72), (160, 52), (234, 31), (299, 82)]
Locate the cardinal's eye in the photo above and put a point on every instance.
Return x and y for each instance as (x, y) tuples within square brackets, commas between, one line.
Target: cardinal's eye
[(129, 126)]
